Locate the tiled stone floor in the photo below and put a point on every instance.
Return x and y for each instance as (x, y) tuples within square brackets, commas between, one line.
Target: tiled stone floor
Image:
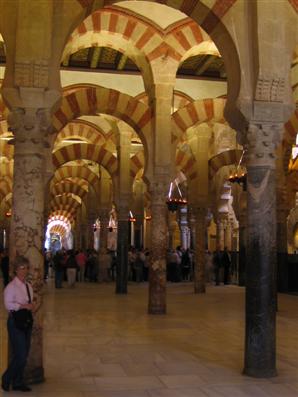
[(98, 344)]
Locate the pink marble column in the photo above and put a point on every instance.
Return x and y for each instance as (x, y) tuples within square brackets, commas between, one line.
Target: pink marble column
[(27, 221), (159, 241)]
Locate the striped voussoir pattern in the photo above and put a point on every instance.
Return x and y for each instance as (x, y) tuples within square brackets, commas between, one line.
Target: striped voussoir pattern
[(92, 100), (200, 111), (69, 187), (228, 157), (137, 162), (74, 174), (86, 151), (207, 13), (140, 38), (82, 130), (186, 162)]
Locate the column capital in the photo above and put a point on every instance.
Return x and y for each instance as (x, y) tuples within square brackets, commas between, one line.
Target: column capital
[(262, 140)]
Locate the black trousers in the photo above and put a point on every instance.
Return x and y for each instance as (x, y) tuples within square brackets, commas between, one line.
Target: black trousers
[(20, 346)]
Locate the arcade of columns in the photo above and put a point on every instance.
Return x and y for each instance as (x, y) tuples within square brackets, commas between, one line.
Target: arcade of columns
[(135, 146)]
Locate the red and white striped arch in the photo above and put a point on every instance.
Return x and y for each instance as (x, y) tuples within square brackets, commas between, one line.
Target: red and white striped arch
[(186, 162), (66, 200), (93, 99), (228, 157), (62, 213), (73, 173), (207, 13), (69, 187), (199, 111), (86, 151), (137, 162), (83, 130)]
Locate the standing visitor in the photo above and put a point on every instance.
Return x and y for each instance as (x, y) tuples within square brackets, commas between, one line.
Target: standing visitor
[(18, 296)]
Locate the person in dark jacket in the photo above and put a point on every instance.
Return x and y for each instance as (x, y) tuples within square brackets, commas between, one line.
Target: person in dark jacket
[(59, 261), (226, 264), (217, 265)]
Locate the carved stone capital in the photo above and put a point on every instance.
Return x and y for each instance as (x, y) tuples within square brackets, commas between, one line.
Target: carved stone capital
[(261, 142), (30, 126)]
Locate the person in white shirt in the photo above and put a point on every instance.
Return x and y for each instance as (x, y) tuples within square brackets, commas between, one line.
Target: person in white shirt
[(16, 297)]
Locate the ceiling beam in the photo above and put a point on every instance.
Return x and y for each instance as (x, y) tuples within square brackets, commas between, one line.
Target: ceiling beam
[(204, 64), (122, 62), (95, 57)]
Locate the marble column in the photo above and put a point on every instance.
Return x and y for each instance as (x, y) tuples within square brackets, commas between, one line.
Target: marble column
[(123, 203), (30, 127), (260, 335), (122, 249), (200, 250), (183, 227), (220, 234), (157, 270), (282, 250), (242, 248)]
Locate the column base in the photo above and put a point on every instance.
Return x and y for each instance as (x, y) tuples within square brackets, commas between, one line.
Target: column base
[(260, 372), (34, 376), (200, 289), (121, 291), (157, 310)]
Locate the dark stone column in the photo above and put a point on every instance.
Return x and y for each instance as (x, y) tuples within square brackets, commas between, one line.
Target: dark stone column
[(260, 336), (242, 250), (122, 251), (282, 251), (200, 246), (157, 270)]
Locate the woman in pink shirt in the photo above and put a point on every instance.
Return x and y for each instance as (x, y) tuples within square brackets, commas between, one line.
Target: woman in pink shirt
[(18, 295)]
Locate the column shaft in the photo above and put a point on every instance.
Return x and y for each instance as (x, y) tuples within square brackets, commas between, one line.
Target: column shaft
[(260, 335), (200, 254), (122, 251), (157, 271)]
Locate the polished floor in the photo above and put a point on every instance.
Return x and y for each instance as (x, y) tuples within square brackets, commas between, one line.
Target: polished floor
[(98, 344)]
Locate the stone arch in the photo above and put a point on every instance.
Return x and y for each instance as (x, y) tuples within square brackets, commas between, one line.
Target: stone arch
[(137, 162), (211, 20), (86, 151), (82, 129), (186, 162), (94, 99), (69, 187), (227, 157), (68, 173), (62, 213), (66, 201), (202, 110)]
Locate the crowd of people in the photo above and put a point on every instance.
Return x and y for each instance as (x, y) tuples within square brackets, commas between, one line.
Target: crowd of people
[(78, 266), (87, 265)]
